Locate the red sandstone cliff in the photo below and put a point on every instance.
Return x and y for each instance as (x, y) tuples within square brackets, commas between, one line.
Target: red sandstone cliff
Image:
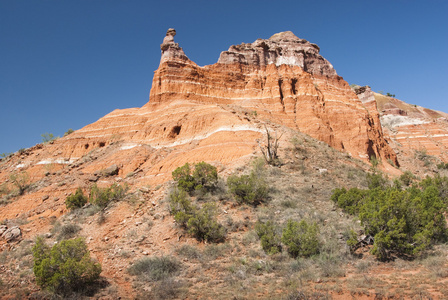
[(284, 79), (216, 113)]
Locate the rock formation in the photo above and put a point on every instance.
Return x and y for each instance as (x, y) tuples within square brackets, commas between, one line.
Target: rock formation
[(414, 128), (217, 113), (283, 48), (284, 79)]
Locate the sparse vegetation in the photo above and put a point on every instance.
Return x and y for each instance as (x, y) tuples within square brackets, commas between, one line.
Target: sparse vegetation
[(103, 196), (199, 222), (443, 166), (401, 221), (70, 131), (21, 180), (48, 137), (67, 231), (76, 200), (155, 268), (5, 154), (249, 189), (203, 178), (204, 226), (270, 237), (301, 238), (64, 268), (407, 177), (270, 150)]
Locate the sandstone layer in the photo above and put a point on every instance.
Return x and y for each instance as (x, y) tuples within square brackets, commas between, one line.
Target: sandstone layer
[(414, 128), (283, 79)]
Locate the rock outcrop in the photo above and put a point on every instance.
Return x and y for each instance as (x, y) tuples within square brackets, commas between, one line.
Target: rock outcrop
[(284, 79), (217, 113), (283, 48), (414, 128), (12, 234)]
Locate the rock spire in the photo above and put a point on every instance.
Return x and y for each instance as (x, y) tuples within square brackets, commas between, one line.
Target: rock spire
[(170, 49)]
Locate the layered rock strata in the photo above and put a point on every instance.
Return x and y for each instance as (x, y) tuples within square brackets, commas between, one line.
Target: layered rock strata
[(412, 127), (217, 113), (283, 79)]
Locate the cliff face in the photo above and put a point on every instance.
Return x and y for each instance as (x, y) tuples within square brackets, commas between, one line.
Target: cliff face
[(216, 113), (414, 128), (284, 79)]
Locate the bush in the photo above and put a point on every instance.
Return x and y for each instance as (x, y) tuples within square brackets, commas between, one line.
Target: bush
[(21, 181), (64, 268), (250, 189), (201, 223), (70, 131), (48, 137), (269, 236), (103, 196), (204, 226), (181, 207), (406, 178), (68, 231), (203, 178), (376, 180), (155, 268), (348, 200), (301, 238), (442, 166), (401, 221), (76, 200), (183, 177)]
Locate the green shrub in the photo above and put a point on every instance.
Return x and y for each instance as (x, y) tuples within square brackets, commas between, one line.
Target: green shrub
[(301, 238), (64, 268), (270, 237), (48, 137), (181, 207), (203, 178), (441, 183), (407, 177), (376, 180), (401, 221), (103, 196), (442, 166), (250, 189), (204, 226), (199, 222), (76, 200), (374, 161), (348, 200), (183, 177), (155, 268), (70, 131)]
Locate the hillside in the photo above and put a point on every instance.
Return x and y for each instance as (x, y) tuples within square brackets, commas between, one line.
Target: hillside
[(222, 114)]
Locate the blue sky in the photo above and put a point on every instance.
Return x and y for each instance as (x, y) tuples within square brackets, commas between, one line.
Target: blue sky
[(64, 64)]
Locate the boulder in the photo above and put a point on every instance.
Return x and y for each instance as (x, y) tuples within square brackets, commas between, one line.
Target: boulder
[(12, 234)]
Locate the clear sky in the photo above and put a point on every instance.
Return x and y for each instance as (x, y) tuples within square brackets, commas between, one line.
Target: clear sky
[(64, 64)]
